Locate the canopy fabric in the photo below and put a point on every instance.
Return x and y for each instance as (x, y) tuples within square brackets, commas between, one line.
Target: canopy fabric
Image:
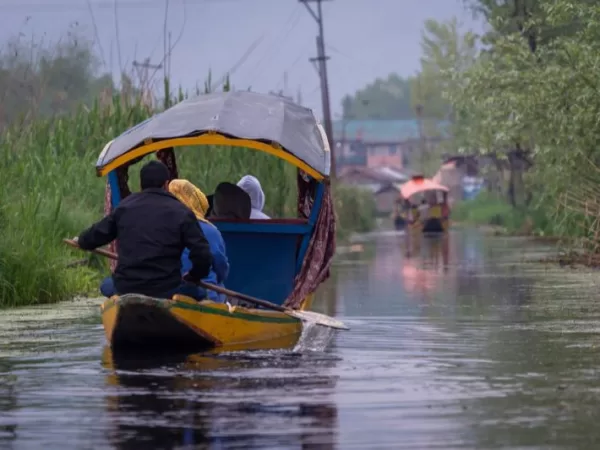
[(319, 254), (415, 186), (269, 119)]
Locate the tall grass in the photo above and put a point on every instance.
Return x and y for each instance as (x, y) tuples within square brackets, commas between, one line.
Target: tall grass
[(485, 209), (355, 210), (490, 209), (49, 191)]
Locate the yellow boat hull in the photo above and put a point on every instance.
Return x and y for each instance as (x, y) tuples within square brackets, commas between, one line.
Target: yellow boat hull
[(147, 322), (436, 221), (434, 225)]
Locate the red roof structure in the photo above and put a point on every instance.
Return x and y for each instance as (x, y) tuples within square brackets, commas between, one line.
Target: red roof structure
[(420, 184)]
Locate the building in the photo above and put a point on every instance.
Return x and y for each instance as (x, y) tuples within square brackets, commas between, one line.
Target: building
[(372, 179), (461, 175), (382, 182), (385, 198), (378, 155), (466, 175), (379, 143)]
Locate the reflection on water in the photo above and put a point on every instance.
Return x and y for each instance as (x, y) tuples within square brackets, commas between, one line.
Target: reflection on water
[(456, 342), (221, 401)]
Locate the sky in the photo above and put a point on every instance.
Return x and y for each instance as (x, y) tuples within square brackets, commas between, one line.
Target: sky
[(258, 41)]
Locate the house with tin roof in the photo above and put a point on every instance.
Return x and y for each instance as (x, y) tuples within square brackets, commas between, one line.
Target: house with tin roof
[(370, 178), (379, 143), (382, 182)]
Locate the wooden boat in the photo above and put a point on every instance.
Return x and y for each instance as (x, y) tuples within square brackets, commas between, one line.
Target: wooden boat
[(295, 252), (184, 323), (422, 191)]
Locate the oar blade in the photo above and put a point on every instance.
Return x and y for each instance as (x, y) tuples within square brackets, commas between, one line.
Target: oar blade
[(320, 319)]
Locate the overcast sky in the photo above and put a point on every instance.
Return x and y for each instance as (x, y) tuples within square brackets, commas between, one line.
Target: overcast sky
[(366, 39)]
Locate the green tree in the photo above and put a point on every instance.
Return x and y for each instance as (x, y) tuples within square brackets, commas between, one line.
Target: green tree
[(527, 18), (546, 101), (47, 81), (387, 98), (445, 51), (508, 17)]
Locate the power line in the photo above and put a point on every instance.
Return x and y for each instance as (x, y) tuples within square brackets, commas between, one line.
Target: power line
[(285, 30), (299, 58), (238, 64), (339, 52), (321, 60), (143, 69), (102, 4), (71, 6)]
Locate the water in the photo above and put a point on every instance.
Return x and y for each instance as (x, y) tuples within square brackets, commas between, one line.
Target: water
[(456, 343)]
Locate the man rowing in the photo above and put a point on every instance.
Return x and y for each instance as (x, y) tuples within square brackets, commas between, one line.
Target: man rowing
[(152, 228)]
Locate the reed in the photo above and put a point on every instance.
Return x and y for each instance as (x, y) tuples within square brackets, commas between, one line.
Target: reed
[(49, 191), (355, 210)]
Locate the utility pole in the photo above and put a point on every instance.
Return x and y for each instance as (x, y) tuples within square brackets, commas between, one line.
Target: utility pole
[(321, 60), (142, 69), (419, 111)]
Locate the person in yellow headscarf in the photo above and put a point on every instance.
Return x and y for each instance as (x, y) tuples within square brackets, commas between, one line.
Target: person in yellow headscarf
[(194, 199)]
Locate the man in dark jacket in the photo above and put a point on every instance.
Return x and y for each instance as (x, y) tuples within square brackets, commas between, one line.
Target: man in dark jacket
[(152, 228)]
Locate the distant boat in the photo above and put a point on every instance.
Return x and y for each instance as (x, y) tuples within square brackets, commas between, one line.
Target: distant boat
[(422, 205)]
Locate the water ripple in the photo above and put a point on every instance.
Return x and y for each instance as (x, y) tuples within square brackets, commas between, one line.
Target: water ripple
[(454, 344)]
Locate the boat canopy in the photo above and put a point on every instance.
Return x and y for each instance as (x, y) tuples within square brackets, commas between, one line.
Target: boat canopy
[(264, 122), (420, 184)]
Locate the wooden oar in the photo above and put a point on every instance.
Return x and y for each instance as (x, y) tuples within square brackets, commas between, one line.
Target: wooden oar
[(306, 316), (98, 251)]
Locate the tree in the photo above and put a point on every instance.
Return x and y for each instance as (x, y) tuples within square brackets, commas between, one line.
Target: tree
[(383, 99), (545, 100), (526, 17), (47, 81), (446, 53), (510, 16)]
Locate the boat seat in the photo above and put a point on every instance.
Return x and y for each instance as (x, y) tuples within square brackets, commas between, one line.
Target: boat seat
[(262, 255)]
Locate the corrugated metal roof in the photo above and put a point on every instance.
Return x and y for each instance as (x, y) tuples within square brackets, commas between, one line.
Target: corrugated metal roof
[(381, 174), (378, 130), (393, 173)]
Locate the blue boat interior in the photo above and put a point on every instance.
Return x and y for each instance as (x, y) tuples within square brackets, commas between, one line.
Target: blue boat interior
[(264, 255)]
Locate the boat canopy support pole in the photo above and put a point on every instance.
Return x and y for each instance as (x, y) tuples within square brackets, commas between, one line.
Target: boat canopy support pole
[(314, 214), (115, 191)]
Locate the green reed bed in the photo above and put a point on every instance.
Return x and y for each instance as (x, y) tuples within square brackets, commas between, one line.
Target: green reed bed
[(49, 191), (355, 210)]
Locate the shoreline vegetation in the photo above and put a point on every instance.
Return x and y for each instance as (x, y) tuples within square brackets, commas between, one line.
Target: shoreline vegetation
[(535, 142), (535, 146), (493, 215), (49, 190), (516, 104)]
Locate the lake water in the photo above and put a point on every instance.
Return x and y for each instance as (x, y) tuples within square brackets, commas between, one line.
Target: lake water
[(456, 343)]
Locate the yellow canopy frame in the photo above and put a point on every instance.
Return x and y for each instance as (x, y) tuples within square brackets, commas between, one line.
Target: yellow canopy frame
[(208, 139)]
